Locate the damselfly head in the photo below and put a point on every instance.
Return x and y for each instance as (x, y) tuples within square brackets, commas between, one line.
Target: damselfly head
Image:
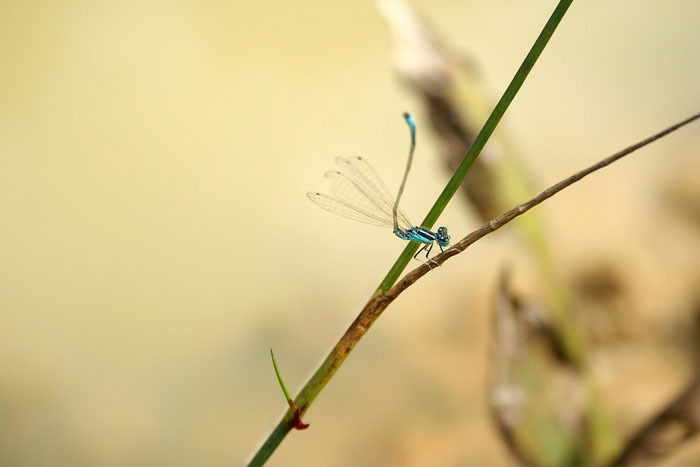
[(443, 238)]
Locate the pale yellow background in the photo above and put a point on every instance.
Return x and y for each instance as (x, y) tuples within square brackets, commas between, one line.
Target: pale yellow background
[(155, 238)]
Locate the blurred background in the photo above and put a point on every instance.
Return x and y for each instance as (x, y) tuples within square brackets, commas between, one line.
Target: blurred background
[(156, 238)]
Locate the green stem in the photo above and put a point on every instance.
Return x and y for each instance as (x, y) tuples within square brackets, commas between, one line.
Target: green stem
[(480, 140), (287, 397), (361, 325)]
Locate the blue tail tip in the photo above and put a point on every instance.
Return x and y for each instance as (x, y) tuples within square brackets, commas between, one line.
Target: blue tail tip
[(410, 120)]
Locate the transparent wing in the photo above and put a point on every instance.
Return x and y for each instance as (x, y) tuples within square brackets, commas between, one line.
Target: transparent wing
[(341, 208), (362, 185)]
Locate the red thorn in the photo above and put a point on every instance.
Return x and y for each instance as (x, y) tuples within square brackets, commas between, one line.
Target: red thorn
[(300, 426), (295, 422)]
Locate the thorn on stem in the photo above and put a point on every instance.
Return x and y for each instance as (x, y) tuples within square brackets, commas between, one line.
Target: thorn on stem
[(295, 422)]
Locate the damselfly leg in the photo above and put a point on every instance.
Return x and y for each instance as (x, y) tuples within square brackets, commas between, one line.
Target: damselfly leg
[(428, 248)]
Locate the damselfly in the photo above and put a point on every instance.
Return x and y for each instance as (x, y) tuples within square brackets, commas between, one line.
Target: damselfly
[(360, 194)]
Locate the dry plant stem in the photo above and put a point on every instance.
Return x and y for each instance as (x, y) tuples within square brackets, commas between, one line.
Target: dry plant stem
[(522, 208), (667, 431), (508, 329), (379, 302)]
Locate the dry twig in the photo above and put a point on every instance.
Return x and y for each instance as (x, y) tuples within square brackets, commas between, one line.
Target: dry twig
[(410, 278), (665, 432)]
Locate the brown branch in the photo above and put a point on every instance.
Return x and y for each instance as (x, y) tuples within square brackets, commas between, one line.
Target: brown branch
[(410, 278), (665, 432)]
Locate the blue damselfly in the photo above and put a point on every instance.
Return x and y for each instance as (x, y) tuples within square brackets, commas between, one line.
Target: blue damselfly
[(359, 194)]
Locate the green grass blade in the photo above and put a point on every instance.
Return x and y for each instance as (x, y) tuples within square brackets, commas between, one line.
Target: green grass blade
[(480, 141)]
